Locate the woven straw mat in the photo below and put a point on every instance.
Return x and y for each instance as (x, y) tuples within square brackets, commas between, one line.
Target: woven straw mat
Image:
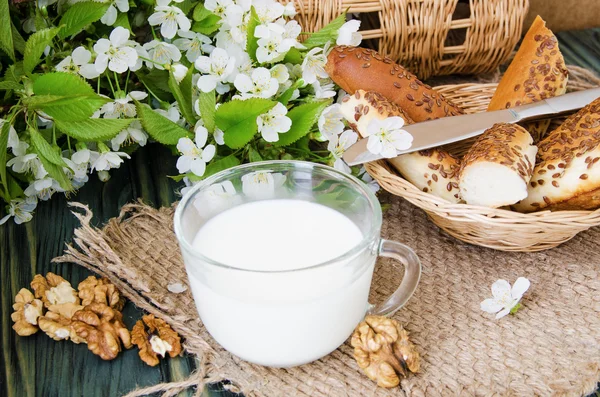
[(551, 346)]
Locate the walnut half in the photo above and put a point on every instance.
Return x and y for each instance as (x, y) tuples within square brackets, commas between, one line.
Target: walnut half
[(27, 310), (101, 290), (53, 290), (158, 340), (102, 329), (382, 349)]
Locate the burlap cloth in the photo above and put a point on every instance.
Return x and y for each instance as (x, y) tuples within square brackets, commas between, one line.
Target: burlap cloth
[(550, 347)]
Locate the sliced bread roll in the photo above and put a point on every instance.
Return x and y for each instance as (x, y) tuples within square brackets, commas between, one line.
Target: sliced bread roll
[(432, 171), (497, 169), (537, 72), (568, 176), (354, 68)]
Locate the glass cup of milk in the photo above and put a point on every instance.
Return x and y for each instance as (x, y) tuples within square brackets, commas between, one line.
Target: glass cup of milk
[(280, 256)]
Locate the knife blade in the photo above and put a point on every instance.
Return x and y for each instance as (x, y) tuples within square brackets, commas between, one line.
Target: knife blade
[(433, 133)]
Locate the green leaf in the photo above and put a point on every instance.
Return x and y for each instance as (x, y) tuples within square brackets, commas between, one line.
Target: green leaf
[(207, 103), (293, 56), (252, 41), (327, 33), (123, 21), (18, 40), (186, 6), (93, 129), (61, 84), (285, 97), (14, 72), (34, 48), (10, 85), (67, 108), (201, 13), (80, 15), (6, 37), (237, 119), (186, 85), (156, 79), (185, 102), (303, 118), (220, 165), (43, 148), (3, 148), (208, 25), (159, 127), (56, 172), (254, 155)]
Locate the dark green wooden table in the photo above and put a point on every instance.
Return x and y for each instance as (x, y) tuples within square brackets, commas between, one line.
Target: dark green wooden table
[(39, 366)]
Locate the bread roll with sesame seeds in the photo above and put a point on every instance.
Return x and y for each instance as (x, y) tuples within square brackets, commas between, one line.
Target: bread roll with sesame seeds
[(354, 68), (496, 171), (568, 174), (537, 72), (432, 171)]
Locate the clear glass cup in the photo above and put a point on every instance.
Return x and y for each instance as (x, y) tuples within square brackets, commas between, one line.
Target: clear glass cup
[(285, 318)]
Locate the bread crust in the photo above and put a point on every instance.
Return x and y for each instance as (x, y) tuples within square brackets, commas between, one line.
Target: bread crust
[(354, 68), (567, 176), (432, 171), (537, 71)]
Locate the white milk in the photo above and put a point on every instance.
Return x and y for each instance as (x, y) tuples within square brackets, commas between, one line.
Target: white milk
[(280, 318)]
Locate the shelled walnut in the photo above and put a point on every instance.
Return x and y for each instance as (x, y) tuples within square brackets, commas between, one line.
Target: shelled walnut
[(101, 290), (53, 290), (59, 327), (27, 311), (102, 329), (382, 349), (158, 340)]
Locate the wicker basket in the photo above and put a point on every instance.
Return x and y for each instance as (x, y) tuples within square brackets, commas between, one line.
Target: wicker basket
[(432, 37), (494, 228)]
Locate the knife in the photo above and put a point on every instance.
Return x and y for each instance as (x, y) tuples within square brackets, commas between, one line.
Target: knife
[(432, 133)]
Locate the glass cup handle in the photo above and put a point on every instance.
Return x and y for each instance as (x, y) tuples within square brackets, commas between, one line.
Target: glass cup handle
[(412, 274)]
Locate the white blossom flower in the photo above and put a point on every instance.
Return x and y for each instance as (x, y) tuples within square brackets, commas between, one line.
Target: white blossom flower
[(142, 53), (261, 185), (387, 136), (161, 53), (324, 88), (19, 148), (216, 69), (170, 18), (104, 176), (218, 7), (194, 155), (219, 136), (292, 30), (273, 123), (172, 113), (338, 145), (79, 62), (110, 16), (313, 65), (368, 179), (43, 188), (133, 133), (271, 43), (25, 163), (77, 173), (505, 299), (280, 72), (193, 44), (348, 34), (179, 71), (289, 10), (20, 209), (115, 53), (176, 288), (260, 84), (122, 107), (108, 160), (84, 156), (29, 25), (268, 10), (216, 198), (331, 121)]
